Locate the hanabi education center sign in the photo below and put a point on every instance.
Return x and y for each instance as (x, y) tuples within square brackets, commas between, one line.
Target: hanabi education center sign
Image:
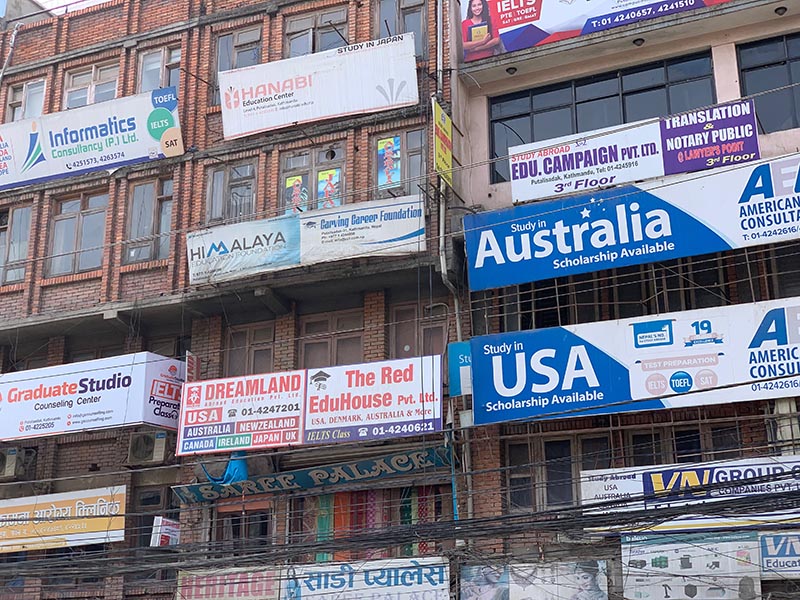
[(370, 401), (361, 78), (95, 394), (125, 131)]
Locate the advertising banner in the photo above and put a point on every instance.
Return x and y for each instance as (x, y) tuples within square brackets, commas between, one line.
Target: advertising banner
[(95, 394), (719, 136), (583, 580), (166, 532), (423, 577), (426, 460), (493, 27), (230, 584), (442, 143), (691, 566), (663, 219), (459, 368), (95, 516), (780, 555), (361, 78), (395, 226), (675, 360), (125, 131), (683, 485), (371, 401)]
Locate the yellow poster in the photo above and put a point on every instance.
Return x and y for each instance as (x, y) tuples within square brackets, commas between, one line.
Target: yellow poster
[(56, 520), (442, 143)]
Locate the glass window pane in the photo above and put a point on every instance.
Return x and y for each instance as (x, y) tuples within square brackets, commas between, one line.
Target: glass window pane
[(349, 322), (107, 73), (761, 53), (225, 53), (508, 106), (3, 242), (76, 98), (80, 79), (348, 351), (20, 230), (415, 139), (328, 40), (690, 95), (300, 45), (726, 442), (689, 68), (164, 227), (241, 201), (405, 332), (142, 210), (105, 91), (552, 97), (247, 57), (262, 360), (521, 492), (15, 275), (551, 124), (774, 109), (598, 114), (237, 354), (97, 201), (63, 245), (151, 71), (558, 471), (646, 78), (412, 23), (34, 102), (518, 456), (433, 340), (688, 448), (646, 449), (217, 195), (91, 244), (603, 86), (506, 134), (388, 17), (315, 327), (248, 36), (315, 354), (646, 105), (595, 453)]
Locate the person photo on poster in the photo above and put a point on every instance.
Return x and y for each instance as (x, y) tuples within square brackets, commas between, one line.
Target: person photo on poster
[(389, 163), (588, 588), (478, 36), (484, 583), (295, 198), (328, 195)]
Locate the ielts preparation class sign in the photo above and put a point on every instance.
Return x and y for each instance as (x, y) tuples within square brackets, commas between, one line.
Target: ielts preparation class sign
[(361, 78), (95, 394), (718, 136), (687, 215), (389, 399), (125, 131), (674, 360)]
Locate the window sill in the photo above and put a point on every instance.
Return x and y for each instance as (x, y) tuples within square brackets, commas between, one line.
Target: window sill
[(11, 288), (145, 265), (214, 109), (72, 278), (148, 588)]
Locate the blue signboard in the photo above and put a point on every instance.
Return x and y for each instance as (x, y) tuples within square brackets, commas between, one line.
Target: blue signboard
[(459, 368)]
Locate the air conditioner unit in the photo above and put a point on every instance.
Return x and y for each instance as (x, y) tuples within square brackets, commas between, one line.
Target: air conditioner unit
[(149, 447), (10, 464)]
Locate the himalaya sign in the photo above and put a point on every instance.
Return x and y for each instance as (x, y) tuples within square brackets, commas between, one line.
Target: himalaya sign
[(129, 130), (395, 226), (660, 220), (676, 360)]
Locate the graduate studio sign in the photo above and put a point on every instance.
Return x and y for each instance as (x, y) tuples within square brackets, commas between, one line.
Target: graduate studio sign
[(675, 360), (663, 219)]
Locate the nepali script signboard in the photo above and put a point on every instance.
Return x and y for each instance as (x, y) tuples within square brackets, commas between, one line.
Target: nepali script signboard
[(693, 141), (659, 487), (510, 25), (371, 401), (675, 360), (95, 516), (660, 220), (125, 131), (361, 78), (95, 394), (395, 226)]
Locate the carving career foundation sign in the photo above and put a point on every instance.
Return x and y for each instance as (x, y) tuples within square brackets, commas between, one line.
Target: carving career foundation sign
[(662, 219), (361, 78), (371, 401), (119, 132), (95, 516), (95, 394), (674, 360)]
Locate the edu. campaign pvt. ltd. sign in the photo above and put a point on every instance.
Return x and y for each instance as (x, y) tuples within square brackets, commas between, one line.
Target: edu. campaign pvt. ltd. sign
[(360, 78), (674, 360), (692, 141), (128, 130), (108, 392), (663, 219), (382, 400)]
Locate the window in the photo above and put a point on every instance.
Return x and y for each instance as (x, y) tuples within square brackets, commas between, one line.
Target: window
[(172, 346), (237, 50), (15, 225), (403, 16), (552, 303), (653, 90), (684, 444), (400, 163), (87, 564), (148, 504), (25, 101), (78, 234), (150, 221), (231, 192), (307, 34), (766, 65), (785, 270), (645, 449), (415, 336), (313, 180), (250, 350), (331, 340), (10, 581), (160, 68), (237, 531), (90, 86), (95, 353)]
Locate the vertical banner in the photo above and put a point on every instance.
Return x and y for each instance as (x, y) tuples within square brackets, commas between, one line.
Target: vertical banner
[(329, 188), (442, 143), (389, 165), (295, 194)]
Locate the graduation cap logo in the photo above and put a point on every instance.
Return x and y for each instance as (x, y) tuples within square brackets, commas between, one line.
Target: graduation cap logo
[(320, 380)]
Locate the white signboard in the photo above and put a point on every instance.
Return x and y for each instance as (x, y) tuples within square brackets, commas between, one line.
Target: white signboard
[(668, 486), (582, 580), (166, 532), (395, 226), (93, 516), (124, 131), (698, 567), (95, 394), (780, 555), (361, 78)]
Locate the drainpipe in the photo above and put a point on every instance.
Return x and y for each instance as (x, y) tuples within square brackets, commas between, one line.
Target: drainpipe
[(11, 44)]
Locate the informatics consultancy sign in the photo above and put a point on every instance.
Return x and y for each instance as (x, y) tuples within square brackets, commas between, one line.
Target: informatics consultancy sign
[(128, 130), (675, 360), (719, 136), (371, 401), (94, 394), (687, 215), (361, 78)]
